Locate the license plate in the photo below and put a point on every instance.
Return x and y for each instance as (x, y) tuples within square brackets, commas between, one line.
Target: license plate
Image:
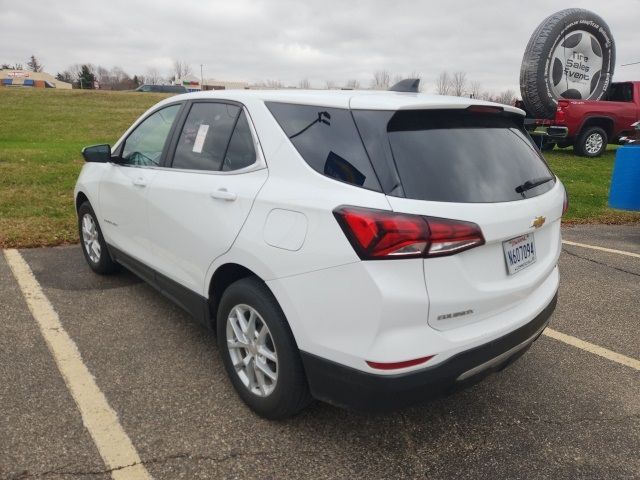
[(519, 252)]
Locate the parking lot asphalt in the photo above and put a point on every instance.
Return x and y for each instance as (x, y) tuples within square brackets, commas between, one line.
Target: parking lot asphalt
[(559, 412)]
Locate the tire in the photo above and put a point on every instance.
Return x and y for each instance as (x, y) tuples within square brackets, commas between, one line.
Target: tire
[(289, 393), (92, 242), (591, 142), (570, 55)]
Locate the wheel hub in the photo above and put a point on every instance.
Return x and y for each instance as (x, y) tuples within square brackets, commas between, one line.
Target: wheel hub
[(594, 142), (90, 238), (252, 350)]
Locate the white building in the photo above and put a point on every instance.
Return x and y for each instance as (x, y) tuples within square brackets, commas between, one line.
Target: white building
[(193, 84), (10, 77)]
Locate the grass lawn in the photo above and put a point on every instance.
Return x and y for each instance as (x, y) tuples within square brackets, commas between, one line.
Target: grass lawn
[(43, 131), (41, 135), (587, 182)]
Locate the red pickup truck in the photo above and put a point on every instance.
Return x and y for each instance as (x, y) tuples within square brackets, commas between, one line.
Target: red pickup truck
[(590, 125)]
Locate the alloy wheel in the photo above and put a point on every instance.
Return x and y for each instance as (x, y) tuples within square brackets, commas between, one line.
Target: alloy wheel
[(593, 143), (252, 350), (90, 238)]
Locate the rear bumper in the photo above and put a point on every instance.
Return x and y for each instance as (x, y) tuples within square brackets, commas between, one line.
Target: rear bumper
[(549, 133), (350, 388)]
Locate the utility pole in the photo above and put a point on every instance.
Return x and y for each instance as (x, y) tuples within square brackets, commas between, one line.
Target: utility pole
[(201, 78)]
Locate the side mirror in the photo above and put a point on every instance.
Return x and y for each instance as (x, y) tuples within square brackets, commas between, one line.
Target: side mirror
[(97, 153)]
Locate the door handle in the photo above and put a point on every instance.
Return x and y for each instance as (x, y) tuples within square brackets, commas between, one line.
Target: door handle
[(224, 194), (139, 182)]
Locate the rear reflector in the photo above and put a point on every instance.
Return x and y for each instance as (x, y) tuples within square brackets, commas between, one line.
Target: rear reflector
[(380, 234), (565, 202), (397, 365)]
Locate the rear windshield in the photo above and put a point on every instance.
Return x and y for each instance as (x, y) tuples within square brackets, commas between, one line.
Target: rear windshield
[(459, 156)]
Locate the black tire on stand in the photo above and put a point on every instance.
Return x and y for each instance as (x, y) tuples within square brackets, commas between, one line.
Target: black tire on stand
[(570, 55)]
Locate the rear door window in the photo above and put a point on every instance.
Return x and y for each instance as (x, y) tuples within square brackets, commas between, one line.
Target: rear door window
[(205, 135), (241, 151), (459, 156), (328, 140)]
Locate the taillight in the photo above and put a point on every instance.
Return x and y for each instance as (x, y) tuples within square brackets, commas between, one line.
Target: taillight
[(380, 234), (560, 118), (565, 202)]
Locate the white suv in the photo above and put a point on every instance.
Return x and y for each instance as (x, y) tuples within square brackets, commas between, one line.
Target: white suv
[(368, 249)]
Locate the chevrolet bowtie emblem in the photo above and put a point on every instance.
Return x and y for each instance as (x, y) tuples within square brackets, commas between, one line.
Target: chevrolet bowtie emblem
[(538, 221)]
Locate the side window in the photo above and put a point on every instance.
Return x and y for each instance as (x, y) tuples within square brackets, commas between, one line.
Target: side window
[(327, 139), (205, 136), (143, 147), (241, 151)]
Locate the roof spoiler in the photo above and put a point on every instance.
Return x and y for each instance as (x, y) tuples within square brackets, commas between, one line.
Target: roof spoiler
[(407, 85)]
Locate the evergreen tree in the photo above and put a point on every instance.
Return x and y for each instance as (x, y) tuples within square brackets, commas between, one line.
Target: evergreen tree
[(34, 65), (86, 77)]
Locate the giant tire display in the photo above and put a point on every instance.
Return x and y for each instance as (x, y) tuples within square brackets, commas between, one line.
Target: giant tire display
[(570, 55)]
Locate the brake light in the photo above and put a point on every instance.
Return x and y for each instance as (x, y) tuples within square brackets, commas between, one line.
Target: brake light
[(484, 109), (396, 365), (380, 234), (560, 116)]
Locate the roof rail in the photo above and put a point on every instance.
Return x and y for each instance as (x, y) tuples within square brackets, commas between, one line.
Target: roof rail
[(407, 85)]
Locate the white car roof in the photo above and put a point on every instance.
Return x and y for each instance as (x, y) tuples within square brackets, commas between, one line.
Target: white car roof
[(354, 99)]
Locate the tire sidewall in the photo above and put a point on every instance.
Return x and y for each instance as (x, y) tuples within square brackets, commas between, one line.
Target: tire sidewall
[(252, 292)]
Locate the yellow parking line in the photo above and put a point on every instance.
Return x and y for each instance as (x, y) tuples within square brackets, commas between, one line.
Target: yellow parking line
[(602, 249), (592, 348), (115, 447)]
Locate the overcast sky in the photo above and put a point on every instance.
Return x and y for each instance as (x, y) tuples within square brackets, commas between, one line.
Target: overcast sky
[(288, 40)]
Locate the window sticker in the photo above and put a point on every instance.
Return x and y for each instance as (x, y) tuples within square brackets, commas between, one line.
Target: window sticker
[(200, 137)]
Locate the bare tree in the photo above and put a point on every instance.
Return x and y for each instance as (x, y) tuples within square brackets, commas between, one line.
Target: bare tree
[(304, 84), (103, 77), (66, 76), (118, 75), (34, 65), (459, 83), (353, 84), (330, 85), (381, 79), (508, 97), (275, 84), (153, 77), (443, 84), (181, 69), (475, 89)]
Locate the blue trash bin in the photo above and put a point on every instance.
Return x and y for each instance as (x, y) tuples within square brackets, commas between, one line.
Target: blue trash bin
[(625, 181)]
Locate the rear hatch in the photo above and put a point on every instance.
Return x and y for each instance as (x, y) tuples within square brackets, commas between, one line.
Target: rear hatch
[(474, 165)]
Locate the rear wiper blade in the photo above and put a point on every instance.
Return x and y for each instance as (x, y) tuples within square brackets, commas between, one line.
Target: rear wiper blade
[(533, 183)]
